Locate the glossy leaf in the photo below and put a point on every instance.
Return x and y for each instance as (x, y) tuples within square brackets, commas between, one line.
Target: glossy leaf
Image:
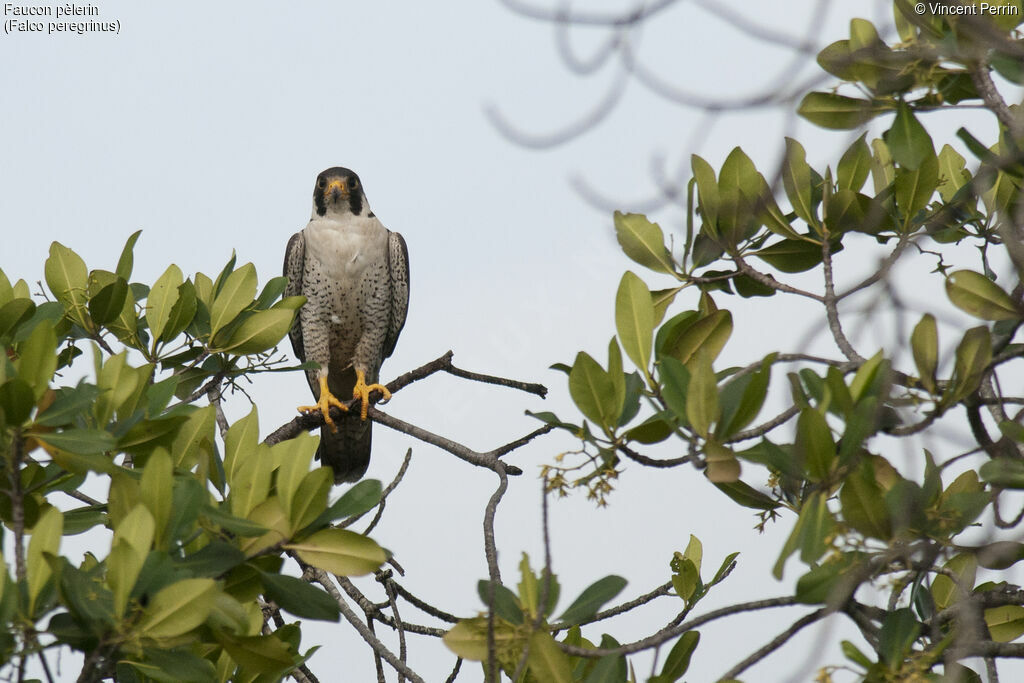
[(260, 332), (976, 294), (161, 300), (836, 112), (707, 191), (706, 335), (178, 608), (643, 241), (45, 540), (702, 408), (235, 293), (854, 166), (301, 598), (909, 142), (973, 355), (634, 320), (796, 177), (593, 390), (815, 446), (863, 505), (593, 598), (546, 661), (924, 343), (340, 552)]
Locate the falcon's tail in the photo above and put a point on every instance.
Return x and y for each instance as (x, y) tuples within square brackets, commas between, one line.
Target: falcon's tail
[(347, 451)]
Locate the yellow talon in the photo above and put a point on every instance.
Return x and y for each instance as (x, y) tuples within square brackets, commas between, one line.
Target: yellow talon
[(323, 405), (362, 391)]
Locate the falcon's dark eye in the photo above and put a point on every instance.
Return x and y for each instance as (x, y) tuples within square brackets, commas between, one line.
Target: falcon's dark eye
[(321, 183), (354, 184)]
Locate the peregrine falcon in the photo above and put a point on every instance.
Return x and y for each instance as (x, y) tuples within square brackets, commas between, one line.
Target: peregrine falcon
[(354, 273)]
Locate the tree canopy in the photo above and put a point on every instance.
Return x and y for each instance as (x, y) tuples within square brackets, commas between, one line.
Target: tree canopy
[(209, 539)]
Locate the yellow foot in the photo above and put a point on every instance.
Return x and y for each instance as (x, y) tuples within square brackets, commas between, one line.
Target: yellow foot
[(323, 405), (362, 392)]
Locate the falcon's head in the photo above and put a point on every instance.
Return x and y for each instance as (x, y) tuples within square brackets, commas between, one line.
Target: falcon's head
[(338, 191)]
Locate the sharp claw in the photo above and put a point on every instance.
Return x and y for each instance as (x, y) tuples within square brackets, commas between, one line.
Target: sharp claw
[(323, 405), (362, 391)]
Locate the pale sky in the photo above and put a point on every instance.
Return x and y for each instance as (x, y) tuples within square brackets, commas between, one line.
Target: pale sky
[(205, 124)]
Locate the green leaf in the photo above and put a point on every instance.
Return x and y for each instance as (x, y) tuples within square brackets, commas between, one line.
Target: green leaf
[(655, 429), (173, 666), (108, 303), (976, 294), (310, 500), (295, 461), (593, 391), (973, 355), (863, 504), (340, 552), (945, 591), (796, 177), (593, 598), (68, 279), (13, 314), (80, 441), (707, 335), (126, 262), (915, 187), (707, 192), (1004, 472), (546, 661), (702, 408), (161, 300), (506, 604), (755, 390), (360, 498), (722, 465), (883, 171), (37, 358), (854, 166), (924, 343), (70, 403), (791, 256), (747, 496), (610, 668), (812, 528), (634, 320), (240, 441), (643, 241), (16, 401), (899, 631), (836, 112), (156, 481), (1005, 623), (178, 608), (234, 295), (300, 598), (908, 140), (260, 332), (46, 535), (265, 654), (250, 483), (952, 173), (182, 312), (678, 660), (815, 447)]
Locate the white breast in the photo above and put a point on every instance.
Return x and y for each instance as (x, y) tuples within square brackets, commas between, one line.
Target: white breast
[(346, 247)]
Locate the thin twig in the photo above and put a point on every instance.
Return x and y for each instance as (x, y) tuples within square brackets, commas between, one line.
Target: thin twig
[(380, 648), (776, 642)]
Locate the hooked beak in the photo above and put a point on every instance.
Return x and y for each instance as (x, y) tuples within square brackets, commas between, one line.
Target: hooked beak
[(336, 188)]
